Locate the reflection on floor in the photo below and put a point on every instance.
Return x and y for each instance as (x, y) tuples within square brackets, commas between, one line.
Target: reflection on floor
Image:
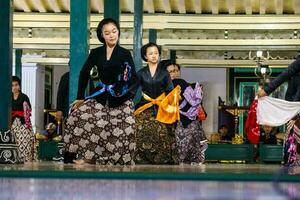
[(83, 189), (53, 180)]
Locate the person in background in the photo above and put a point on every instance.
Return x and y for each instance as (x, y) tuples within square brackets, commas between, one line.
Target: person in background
[(62, 103), (225, 136), (267, 135), (191, 141), (21, 124)]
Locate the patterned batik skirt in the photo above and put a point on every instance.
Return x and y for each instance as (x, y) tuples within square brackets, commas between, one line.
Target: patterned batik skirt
[(191, 143), (292, 145), (24, 139), (155, 141), (101, 134)]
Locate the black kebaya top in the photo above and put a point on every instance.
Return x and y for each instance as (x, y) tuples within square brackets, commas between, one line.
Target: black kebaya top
[(110, 72), (292, 70), (18, 105), (154, 86)]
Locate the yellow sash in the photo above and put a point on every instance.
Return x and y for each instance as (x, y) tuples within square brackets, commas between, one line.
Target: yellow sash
[(168, 111)]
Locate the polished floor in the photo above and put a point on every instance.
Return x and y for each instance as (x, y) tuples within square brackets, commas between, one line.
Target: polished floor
[(53, 180), (52, 189)]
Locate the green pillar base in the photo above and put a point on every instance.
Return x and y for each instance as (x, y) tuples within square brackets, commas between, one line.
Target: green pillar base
[(8, 149)]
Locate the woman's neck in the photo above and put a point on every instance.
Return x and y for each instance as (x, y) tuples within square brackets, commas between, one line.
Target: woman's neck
[(152, 65), (110, 46), (16, 94), (109, 50), (152, 68)]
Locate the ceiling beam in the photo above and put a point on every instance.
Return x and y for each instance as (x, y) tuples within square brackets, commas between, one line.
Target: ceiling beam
[(198, 63), (149, 4), (248, 7), (53, 5), (39, 5), (181, 6), (231, 6), (175, 41), (46, 60), (24, 5), (129, 5), (167, 6), (66, 4), (214, 7), (279, 7), (98, 5), (162, 21), (167, 47), (167, 25), (262, 7), (241, 19), (197, 6), (297, 7), (206, 63)]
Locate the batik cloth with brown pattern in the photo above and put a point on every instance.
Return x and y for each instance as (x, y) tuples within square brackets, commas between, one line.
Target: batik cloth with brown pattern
[(191, 142), (24, 139), (100, 133), (155, 140)]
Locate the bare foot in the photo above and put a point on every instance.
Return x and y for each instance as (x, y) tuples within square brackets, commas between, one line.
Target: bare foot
[(79, 162)]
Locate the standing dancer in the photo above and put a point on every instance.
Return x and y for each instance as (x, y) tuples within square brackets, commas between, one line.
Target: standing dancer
[(101, 127), (21, 126), (292, 139), (190, 137), (155, 138)]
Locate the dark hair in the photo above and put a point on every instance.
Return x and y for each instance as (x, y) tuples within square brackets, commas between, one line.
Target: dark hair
[(165, 63), (168, 62), (178, 66), (145, 47), (104, 22), (222, 126), (16, 79)]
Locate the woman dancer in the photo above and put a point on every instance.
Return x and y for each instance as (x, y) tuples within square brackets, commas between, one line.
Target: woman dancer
[(21, 126), (292, 139), (190, 137), (155, 139), (101, 127)]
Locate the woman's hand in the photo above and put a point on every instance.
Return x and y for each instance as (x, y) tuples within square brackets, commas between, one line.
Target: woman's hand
[(76, 104), (261, 93), (290, 124)]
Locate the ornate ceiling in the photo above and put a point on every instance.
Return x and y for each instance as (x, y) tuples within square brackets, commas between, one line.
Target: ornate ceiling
[(203, 32), (248, 7)]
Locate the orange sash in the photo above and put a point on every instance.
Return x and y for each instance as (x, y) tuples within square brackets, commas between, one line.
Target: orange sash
[(168, 111)]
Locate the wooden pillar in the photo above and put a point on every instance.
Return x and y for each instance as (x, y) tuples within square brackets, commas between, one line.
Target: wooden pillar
[(138, 40), (152, 35), (79, 41), (5, 63), (8, 147), (18, 62), (112, 9), (138, 33), (173, 56)]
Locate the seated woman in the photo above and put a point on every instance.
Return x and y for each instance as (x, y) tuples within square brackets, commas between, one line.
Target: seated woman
[(155, 139), (267, 135), (21, 126), (101, 127), (225, 136), (190, 137)]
